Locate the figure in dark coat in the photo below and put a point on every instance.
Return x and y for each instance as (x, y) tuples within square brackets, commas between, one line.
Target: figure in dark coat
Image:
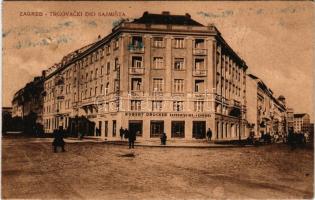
[(163, 138), (58, 139), (131, 139), (121, 133), (209, 134), (126, 133)]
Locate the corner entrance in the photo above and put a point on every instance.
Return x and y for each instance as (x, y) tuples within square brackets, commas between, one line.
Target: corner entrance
[(135, 126), (199, 129)]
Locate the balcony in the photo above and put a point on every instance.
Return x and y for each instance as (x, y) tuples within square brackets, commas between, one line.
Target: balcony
[(236, 104), (136, 70), (200, 52), (60, 97), (202, 72), (136, 48), (136, 93)]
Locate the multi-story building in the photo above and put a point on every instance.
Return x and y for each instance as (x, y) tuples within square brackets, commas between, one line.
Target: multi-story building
[(29, 100), (27, 105), (301, 123), (17, 105), (265, 113), (290, 118), (158, 73)]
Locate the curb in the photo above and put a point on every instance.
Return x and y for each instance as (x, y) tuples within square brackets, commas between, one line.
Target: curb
[(180, 146)]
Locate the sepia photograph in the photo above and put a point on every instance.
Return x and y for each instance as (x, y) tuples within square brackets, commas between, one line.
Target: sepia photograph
[(151, 100)]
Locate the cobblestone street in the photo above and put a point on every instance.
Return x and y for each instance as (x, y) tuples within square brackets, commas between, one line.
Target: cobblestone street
[(96, 170)]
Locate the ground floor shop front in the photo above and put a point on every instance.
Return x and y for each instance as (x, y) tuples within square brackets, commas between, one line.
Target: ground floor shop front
[(150, 125)]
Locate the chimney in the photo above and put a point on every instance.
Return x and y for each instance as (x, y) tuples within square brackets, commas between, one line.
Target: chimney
[(187, 15), (44, 73), (145, 13), (166, 13)]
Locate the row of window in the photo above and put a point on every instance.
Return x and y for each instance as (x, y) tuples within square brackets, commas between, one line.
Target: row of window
[(178, 63), (136, 105), (178, 42), (158, 85)]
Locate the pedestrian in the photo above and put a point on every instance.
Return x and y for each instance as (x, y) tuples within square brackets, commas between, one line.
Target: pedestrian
[(126, 133), (121, 133), (58, 139), (209, 134), (131, 139), (163, 138)]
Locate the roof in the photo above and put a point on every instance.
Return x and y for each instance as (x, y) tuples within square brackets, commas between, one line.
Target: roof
[(299, 115), (166, 18), (252, 76)]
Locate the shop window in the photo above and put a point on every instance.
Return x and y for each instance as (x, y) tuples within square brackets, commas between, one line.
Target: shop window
[(178, 129), (135, 126), (157, 128)]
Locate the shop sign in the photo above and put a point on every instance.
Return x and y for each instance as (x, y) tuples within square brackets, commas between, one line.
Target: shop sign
[(162, 114)]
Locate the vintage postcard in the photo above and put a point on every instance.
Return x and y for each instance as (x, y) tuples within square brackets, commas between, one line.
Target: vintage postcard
[(157, 100)]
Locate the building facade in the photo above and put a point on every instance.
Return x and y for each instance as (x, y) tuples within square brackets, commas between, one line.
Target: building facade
[(290, 118), (29, 100), (158, 73), (265, 113), (301, 123)]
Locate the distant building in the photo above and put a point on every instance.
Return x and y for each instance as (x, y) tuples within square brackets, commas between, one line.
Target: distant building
[(7, 111), (6, 118), (290, 118), (27, 104), (301, 123), (265, 113)]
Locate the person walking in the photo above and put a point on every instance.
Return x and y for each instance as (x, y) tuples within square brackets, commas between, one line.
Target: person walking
[(209, 134), (121, 133), (126, 133), (131, 139), (163, 138), (58, 139)]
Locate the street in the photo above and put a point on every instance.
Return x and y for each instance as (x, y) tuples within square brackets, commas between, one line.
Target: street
[(102, 171)]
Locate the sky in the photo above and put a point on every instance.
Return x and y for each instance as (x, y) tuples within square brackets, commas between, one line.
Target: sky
[(276, 39)]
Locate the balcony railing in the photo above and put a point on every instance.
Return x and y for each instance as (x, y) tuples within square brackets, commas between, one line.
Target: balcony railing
[(236, 103), (136, 70), (136, 48), (200, 72), (136, 92), (200, 52), (60, 97)]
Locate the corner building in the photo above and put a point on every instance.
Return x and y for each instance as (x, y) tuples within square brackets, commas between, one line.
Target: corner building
[(160, 72)]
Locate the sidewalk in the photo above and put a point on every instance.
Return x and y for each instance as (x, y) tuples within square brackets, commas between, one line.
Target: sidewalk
[(176, 144), (144, 143)]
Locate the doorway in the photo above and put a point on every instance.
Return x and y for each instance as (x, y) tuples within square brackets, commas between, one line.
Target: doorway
[(199, 129), (135, 126)]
